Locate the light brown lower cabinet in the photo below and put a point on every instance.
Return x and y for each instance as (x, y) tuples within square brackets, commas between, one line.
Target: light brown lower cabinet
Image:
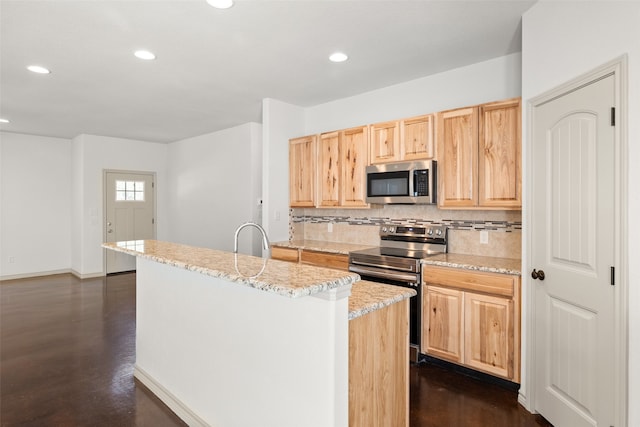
[(305, 256), (379, 368), (324, 259), (472, 319), (442, 315), (285, 254)]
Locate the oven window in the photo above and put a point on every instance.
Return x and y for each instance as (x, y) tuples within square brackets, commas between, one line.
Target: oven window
[(385, 184)]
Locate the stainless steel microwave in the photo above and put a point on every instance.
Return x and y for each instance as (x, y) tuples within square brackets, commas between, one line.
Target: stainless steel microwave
[(409, 183)]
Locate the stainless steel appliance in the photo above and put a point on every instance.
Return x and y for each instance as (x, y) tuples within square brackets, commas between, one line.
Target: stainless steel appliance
[(402, 183), (397, 262)]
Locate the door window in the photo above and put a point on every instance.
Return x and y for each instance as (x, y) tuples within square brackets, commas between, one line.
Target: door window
[(130, 191)]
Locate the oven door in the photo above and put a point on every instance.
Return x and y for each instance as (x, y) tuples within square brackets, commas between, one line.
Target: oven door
[(404, 279)]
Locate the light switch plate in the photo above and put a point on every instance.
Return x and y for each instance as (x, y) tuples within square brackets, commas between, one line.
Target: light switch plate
[(484, 237)]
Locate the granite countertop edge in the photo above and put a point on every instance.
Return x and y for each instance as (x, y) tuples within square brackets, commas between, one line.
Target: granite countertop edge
[(367, 297), (476, 263)]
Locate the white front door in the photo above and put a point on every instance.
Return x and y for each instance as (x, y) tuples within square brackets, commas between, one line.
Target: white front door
[(573, 243), (129, 201)]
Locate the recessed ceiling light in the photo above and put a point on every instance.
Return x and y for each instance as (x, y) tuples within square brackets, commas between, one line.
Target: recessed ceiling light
[(220, 4), (4, 121), (144, 54), (38, 69), (338, 57)]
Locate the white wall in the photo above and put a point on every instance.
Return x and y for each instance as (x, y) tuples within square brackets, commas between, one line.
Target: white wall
[(491, 80), (214, 184), (280, 122), (35, 205), (91, 156), (562, 40)]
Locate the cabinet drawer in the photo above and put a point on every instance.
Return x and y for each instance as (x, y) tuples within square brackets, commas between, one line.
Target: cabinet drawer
[(284, 254), (323, 259), (478, 281)]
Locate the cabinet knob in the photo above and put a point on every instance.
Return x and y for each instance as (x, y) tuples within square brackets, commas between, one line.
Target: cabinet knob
[(537, 274)]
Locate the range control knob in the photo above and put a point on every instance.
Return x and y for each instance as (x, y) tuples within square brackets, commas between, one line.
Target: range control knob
[(438, 232), (392, 229), (384, 229), (430, 231)]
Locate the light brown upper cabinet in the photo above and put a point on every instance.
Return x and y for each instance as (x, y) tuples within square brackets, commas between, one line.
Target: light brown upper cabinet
[(355, 150), (408, 139), (500, 155), (479, 156), (385, 142), (341, 157), (329, 175), (302, 171), (416, 138)]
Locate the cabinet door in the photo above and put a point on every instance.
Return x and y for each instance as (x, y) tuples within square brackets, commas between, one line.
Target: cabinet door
[(324, 259), (330, 169), (442, 317), (416, 136), (385, 142), (302, 171), (488, 342), (499, 155), (458, 157), (355, 149), (284, 254)]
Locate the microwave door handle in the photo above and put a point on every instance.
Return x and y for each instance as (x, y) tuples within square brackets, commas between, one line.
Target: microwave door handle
[(412, 191)]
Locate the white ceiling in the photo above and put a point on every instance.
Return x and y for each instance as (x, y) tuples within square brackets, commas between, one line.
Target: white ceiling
[(214, 67)]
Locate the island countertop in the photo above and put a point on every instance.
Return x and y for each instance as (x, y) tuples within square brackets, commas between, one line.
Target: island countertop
[(281, 277)]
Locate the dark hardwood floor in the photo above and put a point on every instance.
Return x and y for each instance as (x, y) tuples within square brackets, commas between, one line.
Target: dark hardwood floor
[(67, 350)]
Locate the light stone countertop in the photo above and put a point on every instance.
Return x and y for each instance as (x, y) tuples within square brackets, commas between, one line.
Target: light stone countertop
[(322, 246), (281, 277), (478, 263), (371, 296)]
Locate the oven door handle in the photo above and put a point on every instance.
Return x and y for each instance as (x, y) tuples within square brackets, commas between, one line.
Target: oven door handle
[(377, 265), (412, 278)]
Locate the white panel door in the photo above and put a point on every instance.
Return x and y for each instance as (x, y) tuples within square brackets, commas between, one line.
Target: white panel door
[(129, 201), (573, 243)]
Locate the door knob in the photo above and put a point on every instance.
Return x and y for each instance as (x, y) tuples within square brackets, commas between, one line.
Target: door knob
[(537, 274)]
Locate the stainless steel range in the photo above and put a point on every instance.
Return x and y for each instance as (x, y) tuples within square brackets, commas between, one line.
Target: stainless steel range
[(397, 262)]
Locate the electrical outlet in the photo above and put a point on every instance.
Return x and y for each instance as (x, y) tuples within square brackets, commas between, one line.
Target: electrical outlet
[(484, 237), (277, 215), (12, 260), (330, 227)]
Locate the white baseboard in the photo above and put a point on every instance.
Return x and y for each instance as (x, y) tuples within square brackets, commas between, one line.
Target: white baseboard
[(35, 274), (86, 276), (175, 404), (50, 273)]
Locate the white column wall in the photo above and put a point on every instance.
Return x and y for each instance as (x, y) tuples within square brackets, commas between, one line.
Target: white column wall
[(92, 155), (35, 205), (281, 122), (561, 41), (214, 185)]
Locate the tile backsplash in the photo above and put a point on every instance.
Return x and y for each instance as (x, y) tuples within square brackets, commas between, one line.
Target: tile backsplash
[(361, 226)]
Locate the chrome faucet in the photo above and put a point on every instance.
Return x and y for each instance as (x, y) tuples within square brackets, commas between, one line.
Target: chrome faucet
[(265, 240)]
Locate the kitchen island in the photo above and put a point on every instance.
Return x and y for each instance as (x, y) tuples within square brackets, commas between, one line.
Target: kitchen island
[(233, 340)]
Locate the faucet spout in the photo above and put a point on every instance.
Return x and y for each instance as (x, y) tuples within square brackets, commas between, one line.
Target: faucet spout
[(265, 240)]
